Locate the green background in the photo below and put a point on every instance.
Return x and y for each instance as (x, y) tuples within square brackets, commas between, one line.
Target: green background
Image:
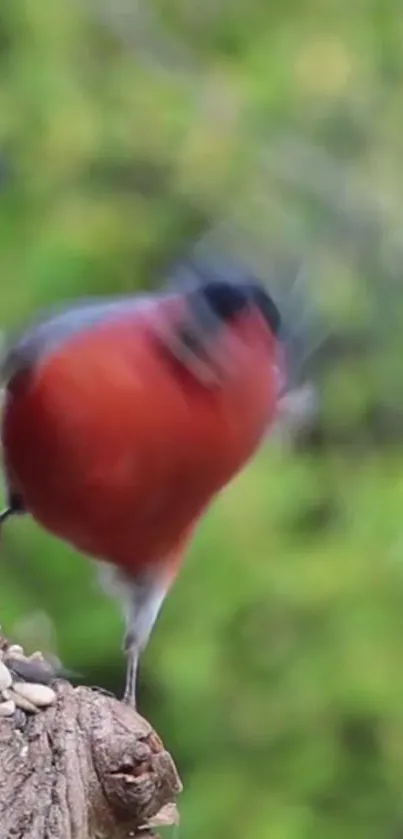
[(275, 672)]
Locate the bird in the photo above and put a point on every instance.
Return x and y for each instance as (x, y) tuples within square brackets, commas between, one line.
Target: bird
[(125, 417)]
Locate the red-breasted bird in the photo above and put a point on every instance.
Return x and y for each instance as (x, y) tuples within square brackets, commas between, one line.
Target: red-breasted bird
[(124, 418)]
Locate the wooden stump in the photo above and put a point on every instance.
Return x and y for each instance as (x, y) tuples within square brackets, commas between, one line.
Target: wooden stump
[(87, 767)]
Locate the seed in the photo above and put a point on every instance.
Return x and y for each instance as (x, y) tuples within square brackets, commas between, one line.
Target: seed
[(5, 677), (23, 703), (7, 708), (16, 650), (36, 656), (39, 695)]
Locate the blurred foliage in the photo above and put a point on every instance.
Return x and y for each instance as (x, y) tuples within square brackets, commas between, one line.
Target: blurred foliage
[(127, 130)]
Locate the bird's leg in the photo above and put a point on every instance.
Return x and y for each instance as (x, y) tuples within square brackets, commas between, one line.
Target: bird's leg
[(144, 597), (132, 655)]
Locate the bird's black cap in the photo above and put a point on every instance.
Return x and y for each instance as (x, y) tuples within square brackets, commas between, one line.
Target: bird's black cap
[(226, 299)]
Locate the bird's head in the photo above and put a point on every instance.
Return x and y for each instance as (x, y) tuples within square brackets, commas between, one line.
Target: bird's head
[(221, 323), (221, 302)]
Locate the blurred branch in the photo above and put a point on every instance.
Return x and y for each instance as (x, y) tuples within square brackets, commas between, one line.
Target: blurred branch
[(87, 766)]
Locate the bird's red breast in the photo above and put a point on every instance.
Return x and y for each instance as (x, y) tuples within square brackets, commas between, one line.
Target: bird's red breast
[(117, 448)]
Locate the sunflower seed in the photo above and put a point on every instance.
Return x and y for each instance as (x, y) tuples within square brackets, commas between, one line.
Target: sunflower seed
[(7, 708), (39, 695), (5, 677), (16, 650)]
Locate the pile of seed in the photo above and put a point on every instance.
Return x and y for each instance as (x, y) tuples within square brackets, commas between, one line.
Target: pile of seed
[(24, 682)]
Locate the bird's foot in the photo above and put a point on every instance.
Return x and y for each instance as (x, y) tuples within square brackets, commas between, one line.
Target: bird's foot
[(129, 698)]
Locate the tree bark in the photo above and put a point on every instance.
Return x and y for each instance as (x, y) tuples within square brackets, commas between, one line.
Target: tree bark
[(87, 767)]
